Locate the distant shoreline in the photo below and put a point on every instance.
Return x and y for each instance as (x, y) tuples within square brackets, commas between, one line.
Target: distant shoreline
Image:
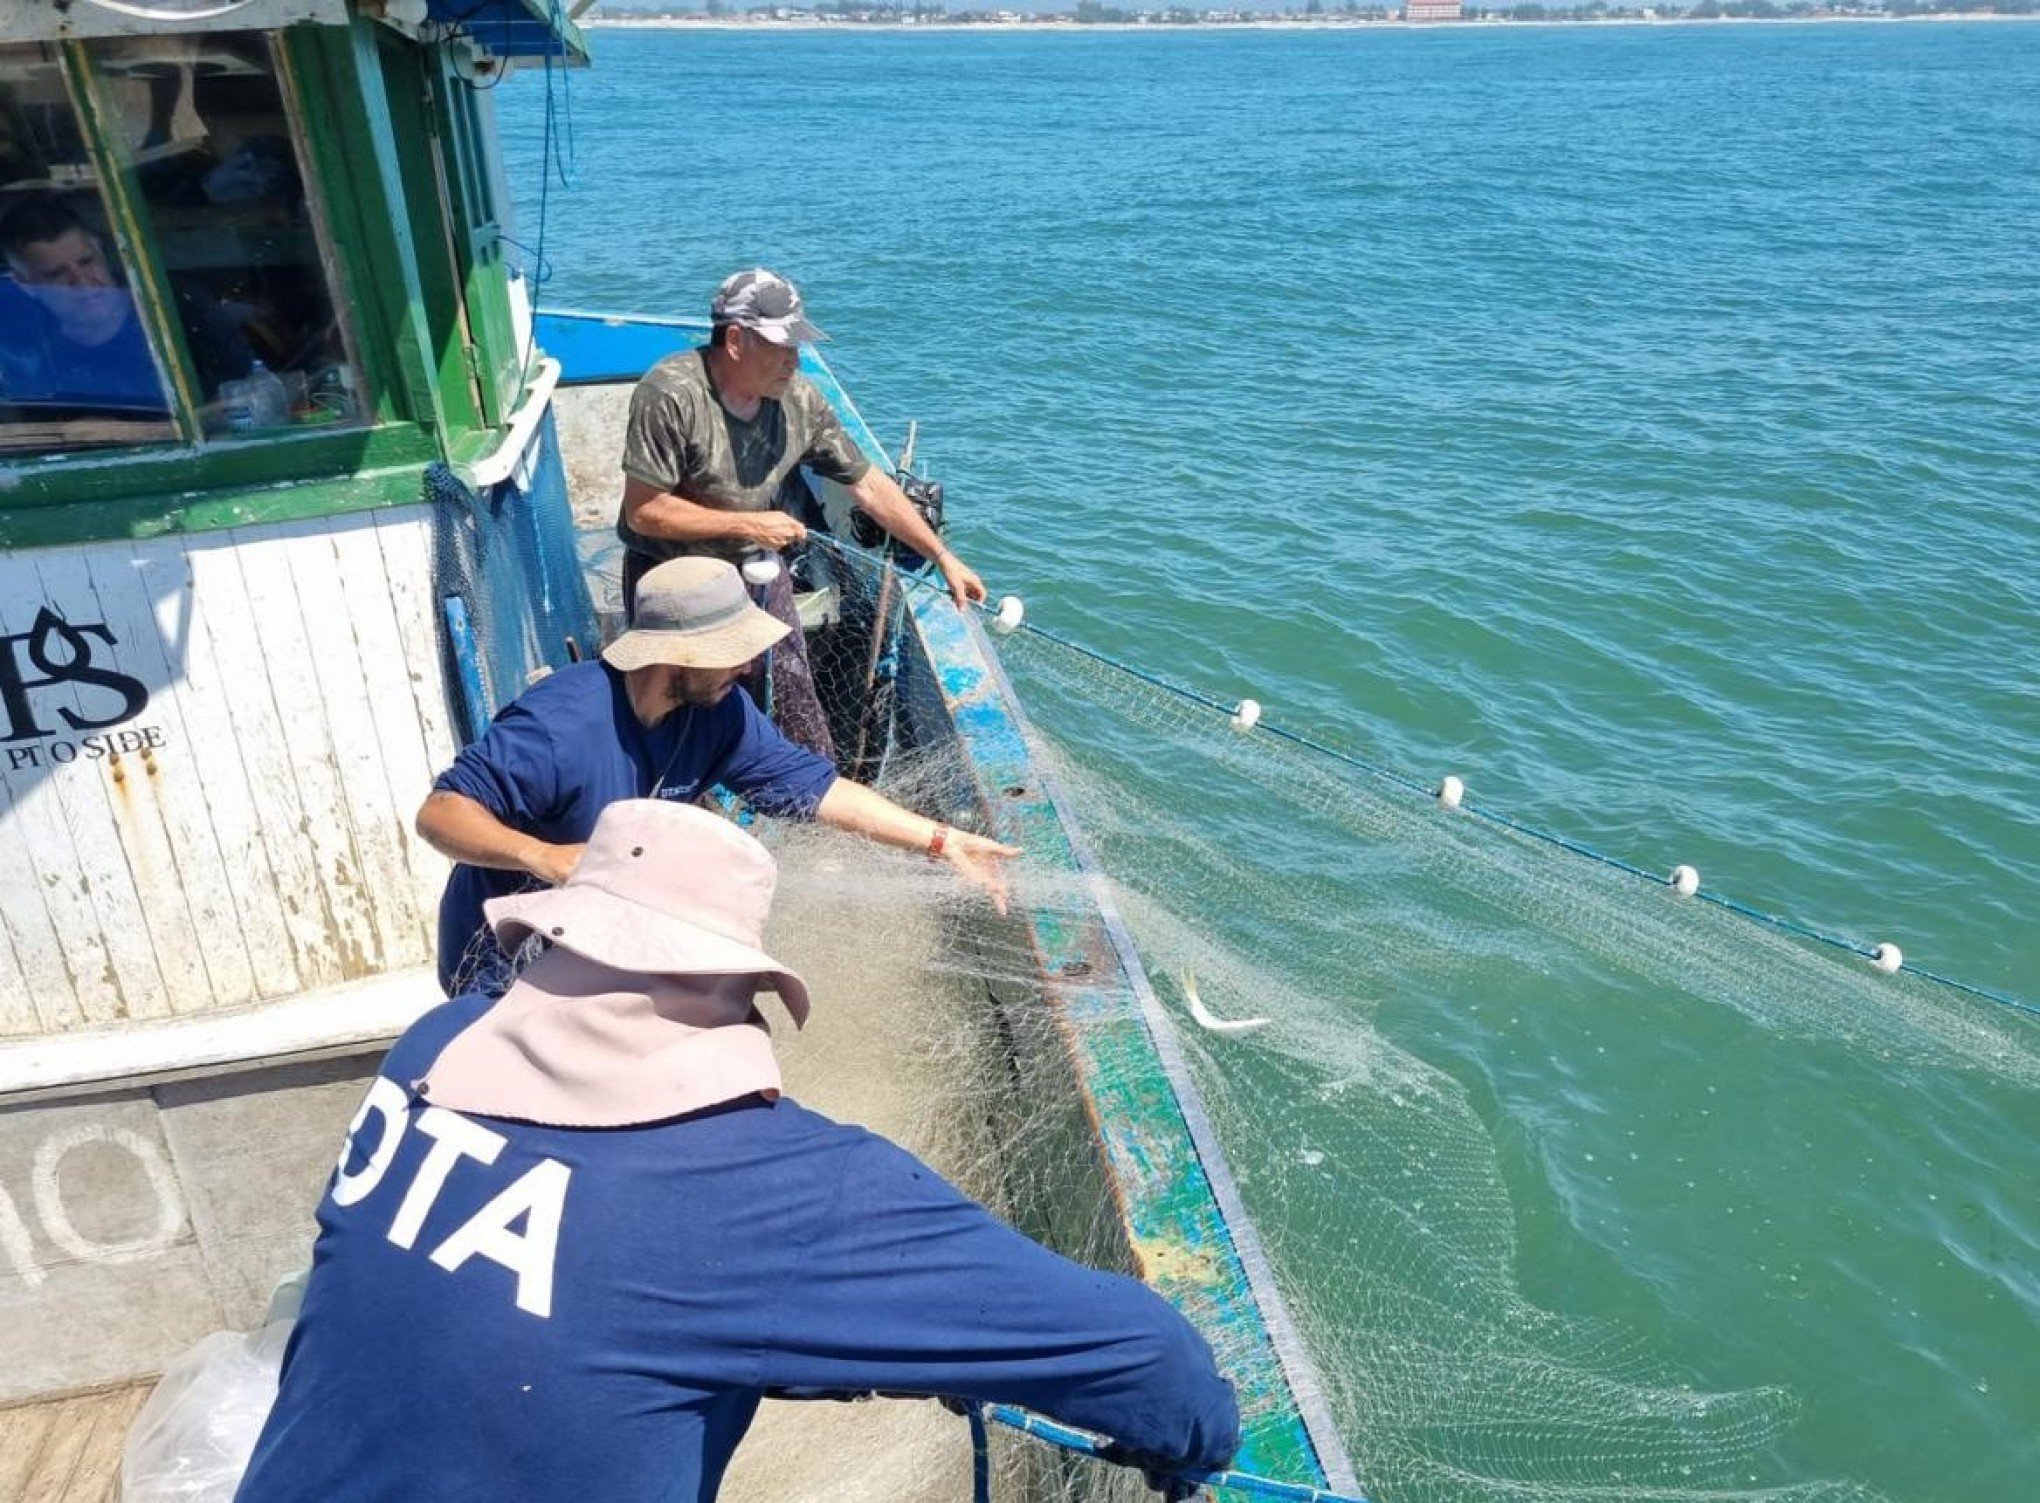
[(1271, 23)]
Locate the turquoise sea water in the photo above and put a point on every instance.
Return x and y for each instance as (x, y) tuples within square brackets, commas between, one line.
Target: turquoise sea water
[(1643, 423)]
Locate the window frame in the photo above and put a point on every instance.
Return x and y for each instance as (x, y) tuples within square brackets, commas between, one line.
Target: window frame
[(438, 360)]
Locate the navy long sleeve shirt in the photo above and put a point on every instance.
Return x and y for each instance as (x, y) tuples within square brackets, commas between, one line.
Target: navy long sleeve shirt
[(568, 748), (501, 1310)]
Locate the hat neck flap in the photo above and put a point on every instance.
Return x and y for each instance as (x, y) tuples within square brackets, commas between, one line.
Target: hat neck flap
[(574, 1043)]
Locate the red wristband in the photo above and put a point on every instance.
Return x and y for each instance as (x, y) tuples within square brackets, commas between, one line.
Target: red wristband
[(938, 840)]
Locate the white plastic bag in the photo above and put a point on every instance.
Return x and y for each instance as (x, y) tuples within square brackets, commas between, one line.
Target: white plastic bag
[(192, 1440)]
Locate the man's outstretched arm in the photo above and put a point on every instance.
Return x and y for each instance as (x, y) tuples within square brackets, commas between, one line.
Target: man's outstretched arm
[(879, 497), (910, 1287), (864, 811)]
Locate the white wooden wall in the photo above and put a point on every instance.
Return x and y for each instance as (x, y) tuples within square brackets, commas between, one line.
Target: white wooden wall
[(246, 833)]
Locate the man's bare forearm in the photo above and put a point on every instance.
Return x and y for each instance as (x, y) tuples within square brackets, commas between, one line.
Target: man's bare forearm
[(867, 812), (675, 519), (462, 830)]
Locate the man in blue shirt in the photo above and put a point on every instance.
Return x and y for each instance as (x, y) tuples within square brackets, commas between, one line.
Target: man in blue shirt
[(655, 718), (71, 337), (575, 1235)]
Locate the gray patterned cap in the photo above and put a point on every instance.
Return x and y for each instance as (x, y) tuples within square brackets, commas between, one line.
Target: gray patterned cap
[(766, 302)]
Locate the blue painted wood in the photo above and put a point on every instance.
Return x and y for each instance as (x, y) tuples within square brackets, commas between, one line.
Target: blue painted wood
[(603, 349), (467, 661), (515, 29), (599, 349), (1182, 1212)]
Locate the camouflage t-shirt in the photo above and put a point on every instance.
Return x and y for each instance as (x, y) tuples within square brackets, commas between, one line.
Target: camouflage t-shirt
[(683, 441)]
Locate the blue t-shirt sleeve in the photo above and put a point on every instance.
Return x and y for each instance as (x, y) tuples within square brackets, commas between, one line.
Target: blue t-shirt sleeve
[(769, 770), (511, 769)]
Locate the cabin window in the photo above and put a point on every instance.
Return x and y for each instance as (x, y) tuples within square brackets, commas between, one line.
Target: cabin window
[(164, 269), (78, 362), (219, 190)]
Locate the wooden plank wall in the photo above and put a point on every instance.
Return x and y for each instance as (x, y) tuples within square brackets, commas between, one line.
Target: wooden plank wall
[(211, 749)]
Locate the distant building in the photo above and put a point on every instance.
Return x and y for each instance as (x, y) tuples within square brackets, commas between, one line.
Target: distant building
[(1432, 10)]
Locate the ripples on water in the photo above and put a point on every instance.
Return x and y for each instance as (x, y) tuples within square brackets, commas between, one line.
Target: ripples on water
[(1641, 423)]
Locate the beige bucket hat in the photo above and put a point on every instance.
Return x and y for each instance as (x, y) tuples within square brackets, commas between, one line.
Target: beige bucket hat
[(663, 889), (694, 613)]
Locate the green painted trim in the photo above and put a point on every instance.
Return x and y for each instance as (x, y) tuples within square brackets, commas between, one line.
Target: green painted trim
[(120, 196), (341, 80), (466, 137), (171, 477), (466, 448), (343, 207), (154, 516), (414, 180)]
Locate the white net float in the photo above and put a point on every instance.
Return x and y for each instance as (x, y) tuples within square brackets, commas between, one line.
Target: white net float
[(761, 568), (1685, 880), (1247, 715), (1451, 792), (1012, 611), (1887, 958)]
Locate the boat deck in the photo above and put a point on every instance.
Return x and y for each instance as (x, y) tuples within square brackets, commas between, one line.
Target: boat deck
[(67, 1450)]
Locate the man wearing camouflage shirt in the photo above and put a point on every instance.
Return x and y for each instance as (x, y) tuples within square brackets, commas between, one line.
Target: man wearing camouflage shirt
[(715, 437)]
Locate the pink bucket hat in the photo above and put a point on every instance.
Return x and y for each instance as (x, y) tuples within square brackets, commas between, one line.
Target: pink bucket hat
[(663, 889)]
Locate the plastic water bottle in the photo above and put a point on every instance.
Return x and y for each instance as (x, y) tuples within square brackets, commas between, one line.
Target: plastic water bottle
[(268, 398), (256, 401)]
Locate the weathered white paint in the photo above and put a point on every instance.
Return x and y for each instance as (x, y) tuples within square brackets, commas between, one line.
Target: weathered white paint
[(407, 569), (60, 986), (306, 746), (230, 650), (208, 802), (204, 949), (352, 1015), (409, 763), (74, 853), (17, 1012), (519, 447), (55, 1215), (168, 578), (380, 822), (94, 18)]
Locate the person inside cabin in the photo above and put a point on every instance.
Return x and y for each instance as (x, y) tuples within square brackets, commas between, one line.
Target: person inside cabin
[(72, 340), (576, 1234), (653, 717), (712, 456)]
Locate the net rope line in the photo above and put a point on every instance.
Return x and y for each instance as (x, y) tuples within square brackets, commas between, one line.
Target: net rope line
[(1078, 1443), (1478, 811)]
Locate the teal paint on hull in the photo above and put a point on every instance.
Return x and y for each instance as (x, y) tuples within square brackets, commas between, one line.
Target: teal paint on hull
[(1168, 1176)]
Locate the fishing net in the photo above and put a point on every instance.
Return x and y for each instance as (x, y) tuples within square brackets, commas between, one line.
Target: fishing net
[(505, 569), (1263, 877), (1376, 1180)]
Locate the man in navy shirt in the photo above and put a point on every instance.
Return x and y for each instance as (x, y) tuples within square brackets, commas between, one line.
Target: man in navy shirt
[(575, 1235), (654, 719)]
